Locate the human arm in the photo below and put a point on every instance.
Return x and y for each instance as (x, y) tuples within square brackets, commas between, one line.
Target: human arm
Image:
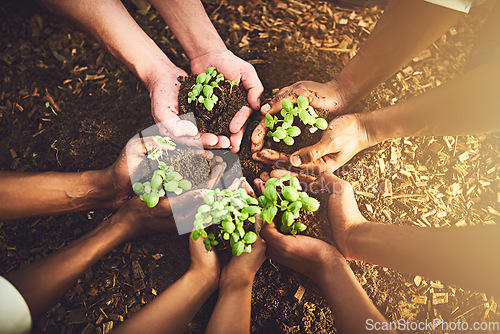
[(454, 255), (42, 283), (205, 48), (175, 307), (233, 309)]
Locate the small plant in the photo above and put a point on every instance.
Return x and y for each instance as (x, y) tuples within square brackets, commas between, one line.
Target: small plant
[(34, 159), (48, 105), (203, 90), (229, 209), (286, 131), (165, 178), (284, 194)]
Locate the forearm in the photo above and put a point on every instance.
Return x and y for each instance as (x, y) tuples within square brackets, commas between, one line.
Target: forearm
[(50, 193), (44, 282), (172, 311), (189, 22), (466, 105), (350, 305), (404, 30), (233, 309), (112, 26), (455, 255)]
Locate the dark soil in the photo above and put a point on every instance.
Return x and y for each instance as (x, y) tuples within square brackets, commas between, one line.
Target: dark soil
[(101, 105), (216, 121)]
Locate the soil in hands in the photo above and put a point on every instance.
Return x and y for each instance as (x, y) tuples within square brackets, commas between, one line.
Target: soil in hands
[(306, 138), (216, 121)]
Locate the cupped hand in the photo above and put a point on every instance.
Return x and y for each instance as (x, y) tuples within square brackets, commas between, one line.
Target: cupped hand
[(330, 96), (345, 137), (204, 262), (234, 69)]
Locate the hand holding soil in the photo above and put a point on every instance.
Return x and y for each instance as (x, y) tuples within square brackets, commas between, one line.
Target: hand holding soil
[(234, 69)]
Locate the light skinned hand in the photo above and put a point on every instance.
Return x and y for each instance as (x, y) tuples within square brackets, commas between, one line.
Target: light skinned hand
[(345, 137), (330, 96), (233, 68)]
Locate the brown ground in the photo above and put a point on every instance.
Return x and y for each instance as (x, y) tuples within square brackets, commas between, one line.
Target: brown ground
[(100, 105)]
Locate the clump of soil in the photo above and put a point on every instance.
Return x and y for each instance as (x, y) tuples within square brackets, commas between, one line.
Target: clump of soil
[(216, 121), (306, 138)]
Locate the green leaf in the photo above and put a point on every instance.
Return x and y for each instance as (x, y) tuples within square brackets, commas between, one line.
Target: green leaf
[(271, 194), (171, 186), (321, 123), (252, 201), (208, 248), (250, 237), (201, 78), (228, 226), (289, 141), (284, 205), (212, 71), (280, 133), (299, 227), (294, 182), (287, 218), (313, 129), (156, 181), (241, 231), (185, 184), (287, 104), (248, 249), (272, 213), (152, 200), (293, 131), (304, 116), (209, 104), (209, 198), (173, 176), (302, 102), (295, 206), (138, 187), (204, 233), (226, 236), (237, 203), (208, 91), (201, 99), (238, 248), (310, 204), (269, 121), (147, 187), (285, 229), (272, 182), (262, 201), (290, 193), (196, 235), (251, 210), (204, 208)]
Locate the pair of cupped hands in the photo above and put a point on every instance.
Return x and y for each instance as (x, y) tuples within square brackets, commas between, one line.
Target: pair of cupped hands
[(345, 136), (306, 255)]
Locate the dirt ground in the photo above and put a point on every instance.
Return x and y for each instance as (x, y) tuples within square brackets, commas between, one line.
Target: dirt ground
[(99, 105)]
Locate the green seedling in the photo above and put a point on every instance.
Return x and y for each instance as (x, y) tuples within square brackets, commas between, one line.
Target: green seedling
[(48, 105), (34, 159), (233, 83), (229, 210), (203, 90), (284, 194), (165, 178), (286, 131)]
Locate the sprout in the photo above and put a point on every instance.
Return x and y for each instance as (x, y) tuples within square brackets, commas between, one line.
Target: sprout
[(203, 91), (229, 210), (164, 179), (284, 194), (286, 131)]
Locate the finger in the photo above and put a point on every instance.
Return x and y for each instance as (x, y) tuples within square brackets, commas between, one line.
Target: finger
[(239, 119), (259, 185), (258, 135), (216, 173), (281, 160), (149, 144), (223, 142), (248, 188), (264, 176), (235, 185), (252, 84), (205, 153), (308, 154), (274, 106), (236, 139), (209, 140), (177, 127), (271, 235), (257, 156)]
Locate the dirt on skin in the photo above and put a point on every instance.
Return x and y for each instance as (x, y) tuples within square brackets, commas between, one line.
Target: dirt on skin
[(216, 121)]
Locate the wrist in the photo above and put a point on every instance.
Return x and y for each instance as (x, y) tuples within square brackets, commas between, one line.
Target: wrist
[(207, 278), (236, 280), (346, 99), (330, 271), (97, 190)]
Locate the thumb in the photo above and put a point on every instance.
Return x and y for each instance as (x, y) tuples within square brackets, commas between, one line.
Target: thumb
[(274, 106), (252, 84), (270, 234), (177, 127), (309, 154)]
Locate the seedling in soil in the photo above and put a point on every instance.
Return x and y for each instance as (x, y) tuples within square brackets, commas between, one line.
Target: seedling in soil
[(48, 105), (229, 209), (203, 90), (165, 178), (286, 131), (284, 194)]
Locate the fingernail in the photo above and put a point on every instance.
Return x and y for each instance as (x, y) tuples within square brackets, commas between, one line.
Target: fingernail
[(265, 108), (295, 160)]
